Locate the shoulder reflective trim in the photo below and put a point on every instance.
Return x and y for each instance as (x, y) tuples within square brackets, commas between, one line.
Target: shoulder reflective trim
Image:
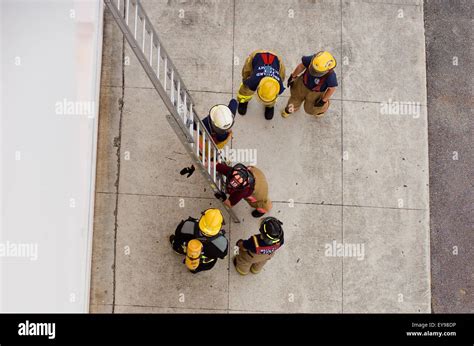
[(256, 242)]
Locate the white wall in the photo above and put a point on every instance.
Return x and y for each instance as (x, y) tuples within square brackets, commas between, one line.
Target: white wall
[(50, 54)]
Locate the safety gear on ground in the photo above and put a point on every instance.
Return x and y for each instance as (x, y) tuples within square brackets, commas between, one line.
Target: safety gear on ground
[(222, 119), (268, 90), (290, 81), (220, 196), (193, 254), (321, 64), (257, 214), (239, 178), (269, 111), (243, 108), (212, 247), (179, 251), (188, 170), (211, 222), (271, 230)]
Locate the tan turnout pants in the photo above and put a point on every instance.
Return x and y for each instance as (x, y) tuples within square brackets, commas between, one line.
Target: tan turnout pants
[(300, 93), (246, 261), (259, 198)]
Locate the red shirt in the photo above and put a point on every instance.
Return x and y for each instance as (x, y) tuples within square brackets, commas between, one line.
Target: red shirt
[(234, 195)]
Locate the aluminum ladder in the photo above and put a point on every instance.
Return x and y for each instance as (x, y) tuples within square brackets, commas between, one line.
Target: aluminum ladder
[(145, 43)]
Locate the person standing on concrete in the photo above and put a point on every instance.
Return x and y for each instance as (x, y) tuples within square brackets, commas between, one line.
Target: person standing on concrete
[(264, 73), (255, 252), (313, 82), (247, 183), (203, 241)]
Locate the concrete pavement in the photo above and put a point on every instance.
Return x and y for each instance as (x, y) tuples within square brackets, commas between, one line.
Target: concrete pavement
[(357, 176)]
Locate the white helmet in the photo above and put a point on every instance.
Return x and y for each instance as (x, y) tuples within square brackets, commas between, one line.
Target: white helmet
[(222, 118)]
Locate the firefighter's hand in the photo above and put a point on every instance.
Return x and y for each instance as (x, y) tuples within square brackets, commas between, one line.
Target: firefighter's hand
[(239, 242), (220, 195), (320, 103), (290, 81)]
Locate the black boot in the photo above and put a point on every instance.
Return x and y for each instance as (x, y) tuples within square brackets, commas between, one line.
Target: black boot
[(256, 213), (243, 108), (269, 113)]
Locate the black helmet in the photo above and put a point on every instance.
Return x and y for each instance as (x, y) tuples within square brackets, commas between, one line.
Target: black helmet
[(239, 170), (271, 230)]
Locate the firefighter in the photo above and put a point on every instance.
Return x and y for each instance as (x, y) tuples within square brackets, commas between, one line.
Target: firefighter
[(219, 123), (264, 73), (247, 183), (258, 249), (313, 82), (202, 241)]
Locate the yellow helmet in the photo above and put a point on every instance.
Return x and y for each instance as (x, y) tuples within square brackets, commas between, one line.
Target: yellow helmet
[(211, 222), (268, 89), (321, 63)]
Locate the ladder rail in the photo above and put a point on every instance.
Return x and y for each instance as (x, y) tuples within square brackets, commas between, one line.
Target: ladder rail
[(183, 129), (169, 64)]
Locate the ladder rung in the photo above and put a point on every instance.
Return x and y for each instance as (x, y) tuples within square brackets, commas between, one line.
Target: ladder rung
[(209, 156), (178, 104), (152, 45), (136, 21), (215, 158), (127, 10), (191, 118), (166, 73), (143, 34), (198, 128), (185, 106), (172, 88), (158, 58), (203, 151)]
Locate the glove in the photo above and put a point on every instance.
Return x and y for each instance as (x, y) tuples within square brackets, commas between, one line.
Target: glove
[(237, 242), (319, 103), (290, 81), (188, 170), (220, 195)]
